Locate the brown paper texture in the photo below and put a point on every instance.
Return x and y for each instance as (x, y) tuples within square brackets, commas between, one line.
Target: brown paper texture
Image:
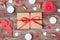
[(33, 25)]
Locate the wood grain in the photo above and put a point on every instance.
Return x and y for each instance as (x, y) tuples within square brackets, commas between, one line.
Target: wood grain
[(33, 32)]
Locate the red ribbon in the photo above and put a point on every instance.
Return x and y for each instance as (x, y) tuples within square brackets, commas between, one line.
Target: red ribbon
[(27, 20)]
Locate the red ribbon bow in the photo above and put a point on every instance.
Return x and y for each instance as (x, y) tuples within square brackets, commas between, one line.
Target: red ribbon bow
[(27, 20)]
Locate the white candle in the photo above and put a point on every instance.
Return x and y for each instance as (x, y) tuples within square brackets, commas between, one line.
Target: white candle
[(28, 36), (52, 20), (10, 9), (32, 1)]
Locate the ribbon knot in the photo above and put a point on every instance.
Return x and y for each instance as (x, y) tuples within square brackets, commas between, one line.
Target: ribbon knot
[(25, 20)]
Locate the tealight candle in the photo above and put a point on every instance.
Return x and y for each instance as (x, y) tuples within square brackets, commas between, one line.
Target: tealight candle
[(10, 9), (28, 36), (52, 20), (32, 1)]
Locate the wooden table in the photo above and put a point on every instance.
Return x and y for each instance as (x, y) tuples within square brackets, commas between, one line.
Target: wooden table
[(33, 32)]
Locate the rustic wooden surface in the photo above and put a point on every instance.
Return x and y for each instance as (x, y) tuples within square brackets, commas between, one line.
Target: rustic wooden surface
[(33, 32)]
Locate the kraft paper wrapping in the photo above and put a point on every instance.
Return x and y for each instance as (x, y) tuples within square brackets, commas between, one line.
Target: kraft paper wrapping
[(29, 24)]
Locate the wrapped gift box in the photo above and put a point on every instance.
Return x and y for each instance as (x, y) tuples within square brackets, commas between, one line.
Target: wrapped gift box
[(29, 20)]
